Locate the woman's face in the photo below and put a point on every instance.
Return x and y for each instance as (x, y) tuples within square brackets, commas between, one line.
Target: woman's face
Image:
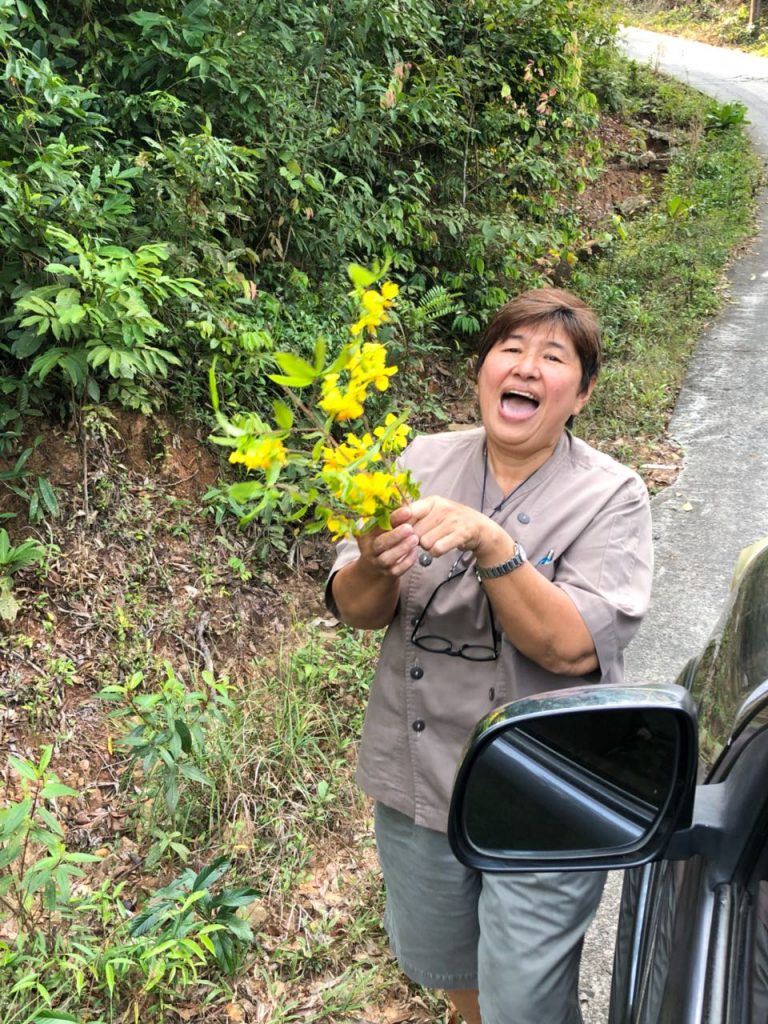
[(528, 387)]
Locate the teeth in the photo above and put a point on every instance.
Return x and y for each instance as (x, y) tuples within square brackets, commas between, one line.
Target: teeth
[(520, 394)]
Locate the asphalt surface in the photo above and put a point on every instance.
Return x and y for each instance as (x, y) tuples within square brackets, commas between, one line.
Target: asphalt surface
[(719, 502)]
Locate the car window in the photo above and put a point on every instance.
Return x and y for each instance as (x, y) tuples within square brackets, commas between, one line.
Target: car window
[(733, 664)]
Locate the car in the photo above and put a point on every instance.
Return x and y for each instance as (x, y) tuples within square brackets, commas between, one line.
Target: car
[(668, 781)]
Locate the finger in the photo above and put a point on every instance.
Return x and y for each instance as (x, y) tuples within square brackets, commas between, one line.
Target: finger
[(443, 538), (388, 547), (405, 562), (404, 550), (400, 515), (421, 508)]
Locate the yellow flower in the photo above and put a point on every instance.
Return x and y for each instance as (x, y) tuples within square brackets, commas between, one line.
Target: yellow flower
[(399, 438), (339, 526), (354, 449), (365, 365), (372, 493), (370, 366), (261, 453), (342, 405), (375, 305)]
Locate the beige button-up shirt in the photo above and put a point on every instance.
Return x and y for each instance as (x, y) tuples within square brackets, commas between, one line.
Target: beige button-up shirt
[(584, 522)]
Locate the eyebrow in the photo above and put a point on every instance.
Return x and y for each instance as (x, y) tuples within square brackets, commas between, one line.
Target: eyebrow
[(551, 342)]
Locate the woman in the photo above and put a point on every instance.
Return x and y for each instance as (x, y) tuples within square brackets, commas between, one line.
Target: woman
[(524, 566)]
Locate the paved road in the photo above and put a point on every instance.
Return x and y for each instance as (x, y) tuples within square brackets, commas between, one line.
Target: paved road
[(719, 503), (721, 417)]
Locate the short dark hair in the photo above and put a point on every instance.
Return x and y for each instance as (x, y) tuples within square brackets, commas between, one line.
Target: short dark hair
[(545, 306)]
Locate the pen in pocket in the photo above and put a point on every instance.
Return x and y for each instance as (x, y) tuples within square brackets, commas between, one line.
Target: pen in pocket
[(547, 558)]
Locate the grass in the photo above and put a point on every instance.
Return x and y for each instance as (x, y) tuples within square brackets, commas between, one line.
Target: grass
[(658, 287), (719, 22)]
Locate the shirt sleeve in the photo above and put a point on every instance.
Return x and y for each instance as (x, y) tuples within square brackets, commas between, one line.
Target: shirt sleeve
[(607, 573)]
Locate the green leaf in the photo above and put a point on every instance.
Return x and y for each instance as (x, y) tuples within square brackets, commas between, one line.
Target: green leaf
[(26, 345), (67, 298), (211, 873), (74, 367), (55, 1017), (117, 252), (24, 768), (212, 386), (54, 825), (189, 771), (171, 793), (44, 363), (235, 898), (12, 816), (48, 495), (361, 277), (249, 490), (289, 382), (241, 929), (283, 414), (295, 366), (184, 734), (72, 315), (54, 789)]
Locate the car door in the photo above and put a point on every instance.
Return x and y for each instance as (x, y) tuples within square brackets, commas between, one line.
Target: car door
[(692, 942), (606, 777)]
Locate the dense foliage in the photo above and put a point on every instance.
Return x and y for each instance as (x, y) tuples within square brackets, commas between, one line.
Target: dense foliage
[(719, 22), (179, 180)]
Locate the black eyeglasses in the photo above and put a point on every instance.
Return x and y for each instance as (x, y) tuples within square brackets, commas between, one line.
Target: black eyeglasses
[(442, 645)]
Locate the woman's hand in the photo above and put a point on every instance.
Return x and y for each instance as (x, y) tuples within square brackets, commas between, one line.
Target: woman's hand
[(367, 590), (440, 525), (390, 552)]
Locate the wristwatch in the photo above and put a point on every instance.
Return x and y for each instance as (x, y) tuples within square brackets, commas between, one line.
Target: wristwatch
[(510, 565)]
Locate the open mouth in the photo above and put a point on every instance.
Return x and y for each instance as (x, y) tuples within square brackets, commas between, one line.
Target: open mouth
[(518, 405)]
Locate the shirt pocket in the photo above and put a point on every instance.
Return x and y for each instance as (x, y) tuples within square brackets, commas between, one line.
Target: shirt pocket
[(547, 570)]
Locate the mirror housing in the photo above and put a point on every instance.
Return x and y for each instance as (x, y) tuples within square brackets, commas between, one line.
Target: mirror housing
[(590, 777)]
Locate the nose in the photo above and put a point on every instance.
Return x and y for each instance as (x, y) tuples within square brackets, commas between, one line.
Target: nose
[(527, 365)]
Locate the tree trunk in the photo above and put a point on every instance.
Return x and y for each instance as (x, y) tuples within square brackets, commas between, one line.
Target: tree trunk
[(754, 12)]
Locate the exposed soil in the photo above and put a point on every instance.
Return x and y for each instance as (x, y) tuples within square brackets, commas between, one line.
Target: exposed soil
[(138, 564)]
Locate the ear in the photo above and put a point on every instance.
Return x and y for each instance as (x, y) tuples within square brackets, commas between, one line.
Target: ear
[(583, 396)]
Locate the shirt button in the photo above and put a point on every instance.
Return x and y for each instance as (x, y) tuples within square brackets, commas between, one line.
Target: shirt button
[(491, 694), (524, 518), (419, 725), (417, 672), (425, 559)]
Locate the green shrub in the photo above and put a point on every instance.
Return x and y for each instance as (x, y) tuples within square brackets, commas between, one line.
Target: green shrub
[(258, 147)]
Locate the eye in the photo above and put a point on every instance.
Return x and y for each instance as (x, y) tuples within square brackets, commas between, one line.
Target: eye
[(552, 358)]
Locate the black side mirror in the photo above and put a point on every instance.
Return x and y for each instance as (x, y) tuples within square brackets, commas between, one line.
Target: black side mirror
[(597, 776)]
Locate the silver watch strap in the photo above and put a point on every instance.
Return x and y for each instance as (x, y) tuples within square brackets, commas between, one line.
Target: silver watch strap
[(494, 571)]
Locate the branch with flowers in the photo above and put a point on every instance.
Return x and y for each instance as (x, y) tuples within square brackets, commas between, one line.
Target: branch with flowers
[(307, 465)]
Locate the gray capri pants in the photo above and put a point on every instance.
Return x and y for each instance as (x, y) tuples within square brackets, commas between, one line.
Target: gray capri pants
[(516, 938)]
